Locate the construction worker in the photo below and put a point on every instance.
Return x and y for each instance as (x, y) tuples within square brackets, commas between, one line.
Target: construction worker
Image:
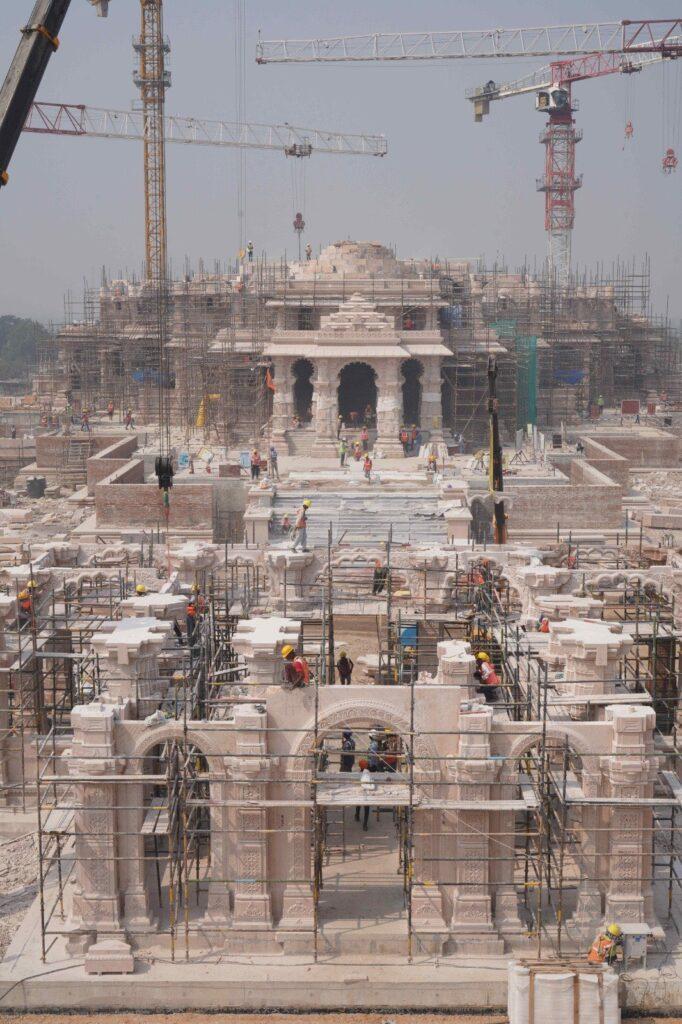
[(129, 421), (273, 458), (140, 590), (343, 451), (367, 467), (543, 624), (296, 672), (488, 676), (25, 607), (600, 404), (85, 421), (249, 251), (607, 947), (301, 527), (347, 746), (339, 426), (405, 441), (308, 251), (255, 464), (191, 622), (110, 411), (199, 599), (364, 437), (379, 577), (357, 451), (286, 524), (432, 463), (345, 668)]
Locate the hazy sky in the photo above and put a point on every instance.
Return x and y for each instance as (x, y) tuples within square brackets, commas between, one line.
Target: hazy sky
[(447, 186)]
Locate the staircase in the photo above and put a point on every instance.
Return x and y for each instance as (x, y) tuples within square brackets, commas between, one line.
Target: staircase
[(300, 441), (74, 464)]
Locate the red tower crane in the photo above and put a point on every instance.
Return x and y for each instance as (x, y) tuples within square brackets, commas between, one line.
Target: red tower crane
[(592, 50), (553, 88)]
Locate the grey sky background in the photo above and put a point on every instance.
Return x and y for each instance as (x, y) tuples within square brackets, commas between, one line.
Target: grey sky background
[(448, 186)]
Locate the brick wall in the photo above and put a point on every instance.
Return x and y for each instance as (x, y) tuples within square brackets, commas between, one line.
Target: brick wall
[(590, 501), (107, 461), (607, 461), (124, 499), (50, 448), (657, 450)]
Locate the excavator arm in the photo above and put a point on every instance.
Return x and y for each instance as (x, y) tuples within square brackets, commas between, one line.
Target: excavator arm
[(39, 40)]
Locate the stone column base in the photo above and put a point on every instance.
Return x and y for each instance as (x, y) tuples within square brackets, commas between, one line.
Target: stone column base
[(109, 956), (252, 913), (327, 447), (390, 447), (297, 909)]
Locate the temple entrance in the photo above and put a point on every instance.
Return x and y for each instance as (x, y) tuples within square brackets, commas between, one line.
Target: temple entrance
[(357, 394), (361, 842), (302, 372), (412, 371)]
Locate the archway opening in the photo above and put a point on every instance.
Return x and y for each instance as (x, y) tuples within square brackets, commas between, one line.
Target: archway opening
[(545, 773), (176, 832), (303, 371), (362, 846), (412, 371), (357, 394)]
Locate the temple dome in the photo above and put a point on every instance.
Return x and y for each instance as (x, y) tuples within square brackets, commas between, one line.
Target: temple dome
[(351, 259)]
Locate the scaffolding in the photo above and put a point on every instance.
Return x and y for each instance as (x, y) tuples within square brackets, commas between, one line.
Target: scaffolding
[(538, 850)]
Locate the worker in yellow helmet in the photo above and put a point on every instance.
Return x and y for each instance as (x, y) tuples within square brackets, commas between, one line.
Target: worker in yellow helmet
[(140, 589), (295, 672), (607, 947), (301, 526), (25, 607), (490, 682)]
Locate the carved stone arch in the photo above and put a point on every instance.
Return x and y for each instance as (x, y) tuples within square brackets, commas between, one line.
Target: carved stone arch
[(556, 730), (359, 711), (204, 740)]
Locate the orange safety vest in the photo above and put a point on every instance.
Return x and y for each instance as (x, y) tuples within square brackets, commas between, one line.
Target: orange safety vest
[(302, 667), (191, 611), (26, 605), (600, 950)]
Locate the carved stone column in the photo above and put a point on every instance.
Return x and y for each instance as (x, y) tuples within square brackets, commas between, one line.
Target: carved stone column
[(325, 411), (283, 400), (260, 642), (297, 903), (290, 576), (631, 771), (95, 913), (252, 907), (389, 407), (588, 911), (431, 410), (472, 920), (128, 652), (592, 652)]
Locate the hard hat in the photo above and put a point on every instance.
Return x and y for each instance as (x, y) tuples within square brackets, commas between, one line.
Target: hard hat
[(307, 503), (287, 650), (140, 589), (482, 656), (23, 595), (342, 654), (31, 584), (195, 588), (614, 930)]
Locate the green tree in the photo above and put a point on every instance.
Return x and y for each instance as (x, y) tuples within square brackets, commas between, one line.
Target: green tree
[(19, 342)]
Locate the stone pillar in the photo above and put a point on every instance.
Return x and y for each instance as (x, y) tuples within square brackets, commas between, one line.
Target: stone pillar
[(283, 400), (588, 911), (290, 578), (252, 908), (456, 666), (194, 561), (472, 922), (431, 405), (95, 912), (592, 652), (536, 581), (260, 642), (325, 410), (128, 650), (630, 771), (389, 407), (297, 902)]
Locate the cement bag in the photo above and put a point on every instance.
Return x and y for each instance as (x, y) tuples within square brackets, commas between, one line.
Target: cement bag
[(554, 993)]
